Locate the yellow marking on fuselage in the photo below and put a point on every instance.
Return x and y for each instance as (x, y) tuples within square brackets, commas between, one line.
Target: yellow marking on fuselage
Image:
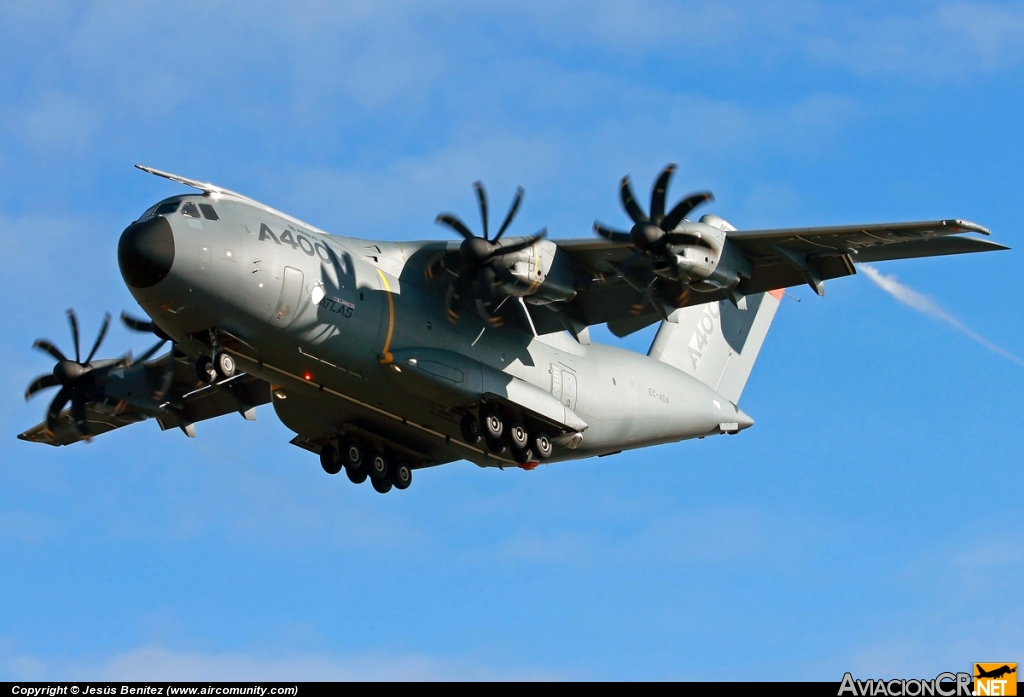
[(386, 356)]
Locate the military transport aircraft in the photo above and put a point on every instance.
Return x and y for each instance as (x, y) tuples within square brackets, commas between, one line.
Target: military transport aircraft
[(386, 357)]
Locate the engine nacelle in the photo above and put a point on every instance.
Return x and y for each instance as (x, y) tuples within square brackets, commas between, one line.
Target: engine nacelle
[(716, 263), (543, 274)]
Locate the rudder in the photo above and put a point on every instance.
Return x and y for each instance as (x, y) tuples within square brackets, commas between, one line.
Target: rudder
[(716, 342)]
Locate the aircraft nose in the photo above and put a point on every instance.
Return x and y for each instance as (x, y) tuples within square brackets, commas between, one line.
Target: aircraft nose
[(146, 252)]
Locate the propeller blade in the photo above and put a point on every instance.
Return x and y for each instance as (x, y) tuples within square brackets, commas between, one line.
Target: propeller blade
[(168, 380), (626, 267), (78, 415), (136, 325), (41, 383), (73, 321), (149, 354), (658, 195), (44, 345), (56, 406), (516, 200), (455, 224), (610, 234), (683, 208), (487, 292), (99, 337), (519, 246), (428, 270), (629, 202), (481, 196)]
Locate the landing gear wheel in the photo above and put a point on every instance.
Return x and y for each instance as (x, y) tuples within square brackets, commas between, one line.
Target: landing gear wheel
[(381, 486), (355, 475), (518, 438), (224, 364), (351, 455), (205, 370), (401, 476), (470, 427), (378, 468), (495, 446), (542, 446), (329, 460), (493, 425), (522, 455)]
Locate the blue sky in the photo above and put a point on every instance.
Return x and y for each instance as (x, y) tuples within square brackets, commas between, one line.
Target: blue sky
[(865, 523)]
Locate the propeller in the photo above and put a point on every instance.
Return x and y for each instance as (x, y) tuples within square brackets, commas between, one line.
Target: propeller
[(652, 235), (655, 232), (477, 267), (75, 377), (149, 327)]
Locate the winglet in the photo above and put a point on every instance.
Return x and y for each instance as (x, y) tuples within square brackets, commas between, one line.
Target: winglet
[(967, 225)]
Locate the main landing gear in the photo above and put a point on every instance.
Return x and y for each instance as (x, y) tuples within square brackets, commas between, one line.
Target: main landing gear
[(375, 466), (497, 431)]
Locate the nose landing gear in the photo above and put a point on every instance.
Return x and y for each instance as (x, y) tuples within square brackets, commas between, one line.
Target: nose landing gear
[(220, 367)]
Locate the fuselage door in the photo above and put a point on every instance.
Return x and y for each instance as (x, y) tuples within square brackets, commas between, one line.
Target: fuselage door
[(291, 294), (569, 389)]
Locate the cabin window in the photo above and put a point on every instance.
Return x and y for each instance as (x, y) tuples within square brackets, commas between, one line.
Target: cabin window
[(208, 211), (189, 210), (167, 208)]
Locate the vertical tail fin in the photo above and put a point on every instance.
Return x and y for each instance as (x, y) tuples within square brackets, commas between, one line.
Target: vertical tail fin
[(717, 343)]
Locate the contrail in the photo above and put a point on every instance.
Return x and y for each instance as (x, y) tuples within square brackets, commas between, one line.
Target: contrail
[(922, 303)]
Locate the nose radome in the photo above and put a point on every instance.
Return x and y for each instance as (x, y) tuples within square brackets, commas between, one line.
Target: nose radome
[(146, 252)]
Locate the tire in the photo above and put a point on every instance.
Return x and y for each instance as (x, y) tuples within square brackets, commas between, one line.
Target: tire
[(518, 438), (377, 467), (493, 425), (401, 476), (329, 460), (224, 364), (522, 455), (470, 427), (495, 446), (542, 446), (205, 370), (381, 486), (355, 475), (351, 454)]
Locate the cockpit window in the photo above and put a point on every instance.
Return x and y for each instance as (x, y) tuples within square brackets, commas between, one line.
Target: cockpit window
[(208, 211), (166, 208), (189, 210)]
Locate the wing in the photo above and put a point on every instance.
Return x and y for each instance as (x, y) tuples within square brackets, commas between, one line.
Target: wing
[(188, 401), (778, 259)]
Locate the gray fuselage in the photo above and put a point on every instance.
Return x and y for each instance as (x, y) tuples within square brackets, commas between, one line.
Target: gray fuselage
[(327, 321)]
